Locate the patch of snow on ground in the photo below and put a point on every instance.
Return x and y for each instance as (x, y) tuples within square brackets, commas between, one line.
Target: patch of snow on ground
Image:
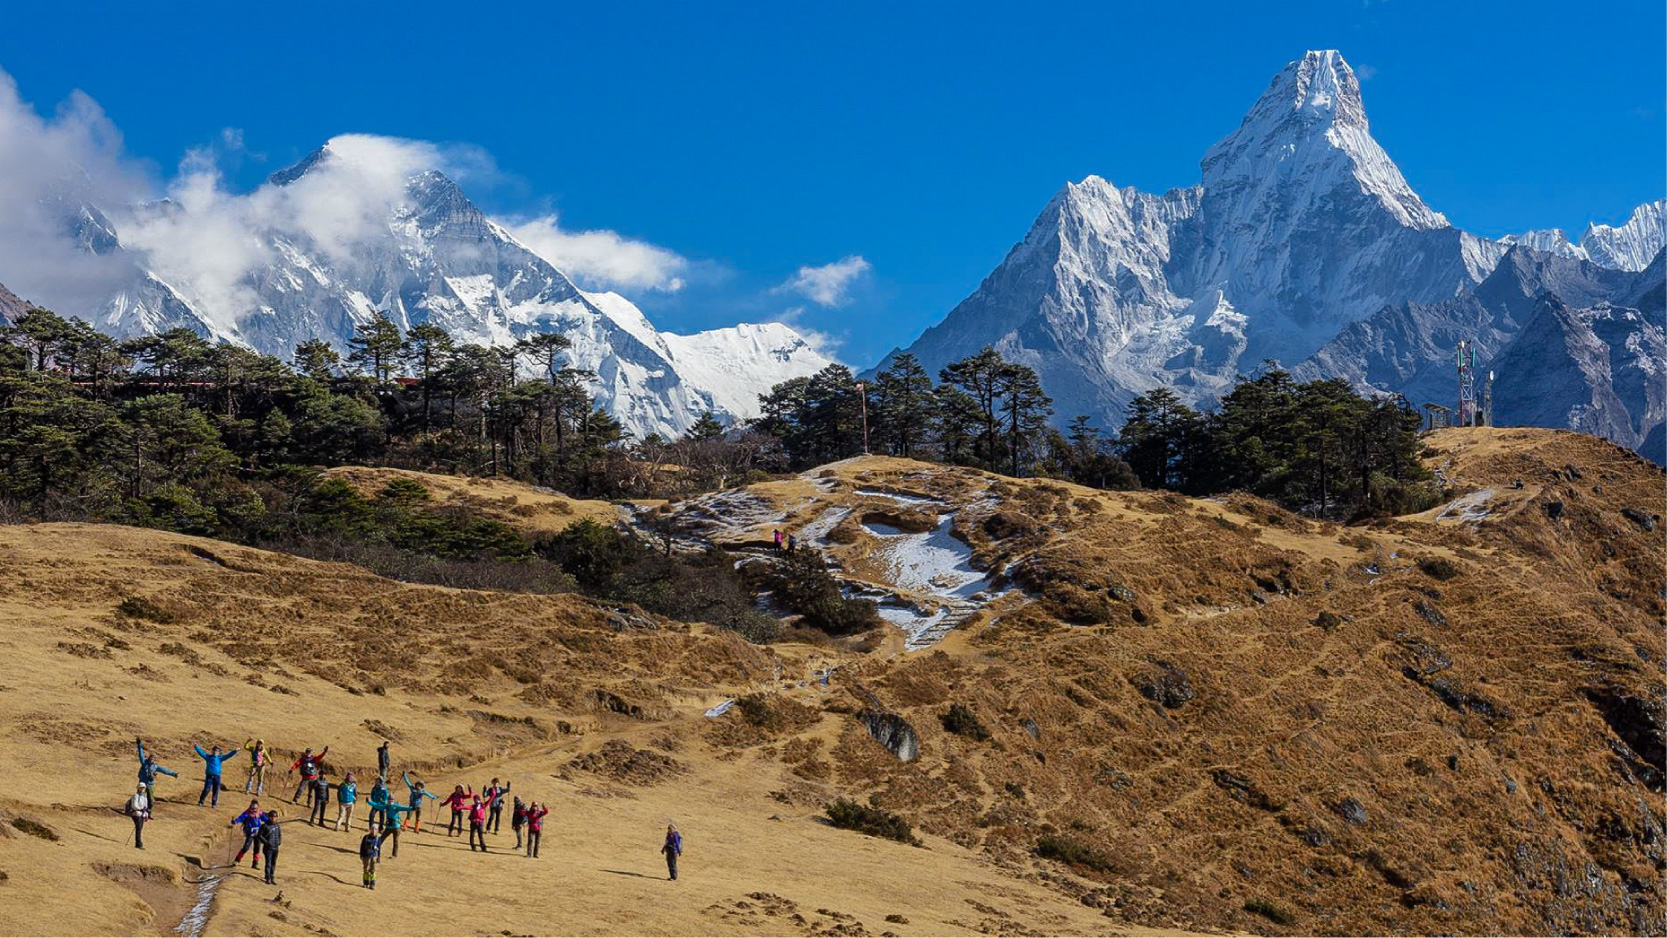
[(899, 497), (816, 532), (934, 561), (1468, 508), (721, 709)]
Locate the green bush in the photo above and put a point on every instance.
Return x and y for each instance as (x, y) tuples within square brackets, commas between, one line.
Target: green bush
[(1073, 852), (960, 720), (846, 814), (1439, 568), (403, 490), (138, 607), (801, 582)]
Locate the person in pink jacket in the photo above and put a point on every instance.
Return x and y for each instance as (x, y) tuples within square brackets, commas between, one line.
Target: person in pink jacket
[(457, 801)]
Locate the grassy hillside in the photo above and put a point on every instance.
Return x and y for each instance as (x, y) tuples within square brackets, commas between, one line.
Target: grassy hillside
[(1120, 711)]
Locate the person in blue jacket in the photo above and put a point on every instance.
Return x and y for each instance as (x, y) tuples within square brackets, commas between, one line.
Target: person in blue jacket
[(378, 794), (212, 761), (148, 769), (252, 819), (418, 791)]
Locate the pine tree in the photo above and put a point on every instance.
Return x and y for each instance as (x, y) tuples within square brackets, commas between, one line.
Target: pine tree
[(317, 359), (705, 429), (426, 348), (1024, 409), (979, 377), (903, 405), (376, 345)]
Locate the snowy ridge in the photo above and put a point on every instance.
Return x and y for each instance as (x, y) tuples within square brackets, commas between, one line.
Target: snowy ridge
[(434, 257), (1630, 246)]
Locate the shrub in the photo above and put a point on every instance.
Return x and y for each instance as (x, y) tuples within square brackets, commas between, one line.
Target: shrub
[(960, 720), (756, 709), (403, 490), (801, 582), (1439, 568), (1269, 911), (846, 814), (138, 607), (1328, 621), (1073, 852)]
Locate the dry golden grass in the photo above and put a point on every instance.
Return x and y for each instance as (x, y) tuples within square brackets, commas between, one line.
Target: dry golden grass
[(528, 508)]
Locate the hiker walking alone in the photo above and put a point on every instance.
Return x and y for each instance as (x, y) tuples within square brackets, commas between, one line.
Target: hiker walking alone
[(535, 827), (309, 766), (149, 768), (672, 848), (494, 797), (383, 760), (258, 760), (212, 761), (271, 836), (518, 819), (370, 850), (418, 791), (455, 801), (138, 808), (347, 793), (477, 824), (252, 820)]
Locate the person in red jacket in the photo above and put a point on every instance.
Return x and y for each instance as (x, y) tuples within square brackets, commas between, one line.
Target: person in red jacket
[(477, 824), (535, 827), (458, 802), (308, 765)]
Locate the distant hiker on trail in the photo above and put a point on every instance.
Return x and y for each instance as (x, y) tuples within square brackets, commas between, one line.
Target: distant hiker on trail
[(370, 850), (252, 820), (138, 808), (494, 796), (271, 836), (148, 769), (320, 800), (383, 760), (347, 793), (457, 802), (308, 765), (418, 791), (212, 761), (259, 758), (477, 824), (672, 848), (535, 827), (778, 540), (378, 793), (392, 821), (518, 819)]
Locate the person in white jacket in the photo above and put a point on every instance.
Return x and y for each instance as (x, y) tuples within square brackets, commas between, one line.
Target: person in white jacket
[(138, 808)]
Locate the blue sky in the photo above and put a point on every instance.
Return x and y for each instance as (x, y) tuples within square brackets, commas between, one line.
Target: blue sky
[(753, 140)]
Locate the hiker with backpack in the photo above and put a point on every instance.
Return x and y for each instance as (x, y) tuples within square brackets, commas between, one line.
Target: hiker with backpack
[(149, 768), (477, 824), (252, 819), (672, 848), (370, 850), (535, 827), (271, 836), (494, 797), (138, 808), (212, 761), (418, 791), (347, 793), (518, 819), (456, 801), (309, 766), (258, 760)]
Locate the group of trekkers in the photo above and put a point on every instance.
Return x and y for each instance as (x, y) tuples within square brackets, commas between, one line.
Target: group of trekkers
[(787, 542), (263, 834)]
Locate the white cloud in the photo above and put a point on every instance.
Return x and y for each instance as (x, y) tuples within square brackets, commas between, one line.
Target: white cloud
[(600, 258), (829, 284), (825, 342)]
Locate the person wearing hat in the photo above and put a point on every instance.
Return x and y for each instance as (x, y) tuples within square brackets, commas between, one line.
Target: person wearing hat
[(258, 760)]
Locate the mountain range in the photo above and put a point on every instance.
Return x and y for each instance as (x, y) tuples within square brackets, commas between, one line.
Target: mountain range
[(1303, 244), (433, 256)]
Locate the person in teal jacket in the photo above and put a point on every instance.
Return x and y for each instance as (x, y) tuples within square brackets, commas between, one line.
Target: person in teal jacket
[(212, 761), (148, 769), (347, 792), (418, 793), (393, 820)]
